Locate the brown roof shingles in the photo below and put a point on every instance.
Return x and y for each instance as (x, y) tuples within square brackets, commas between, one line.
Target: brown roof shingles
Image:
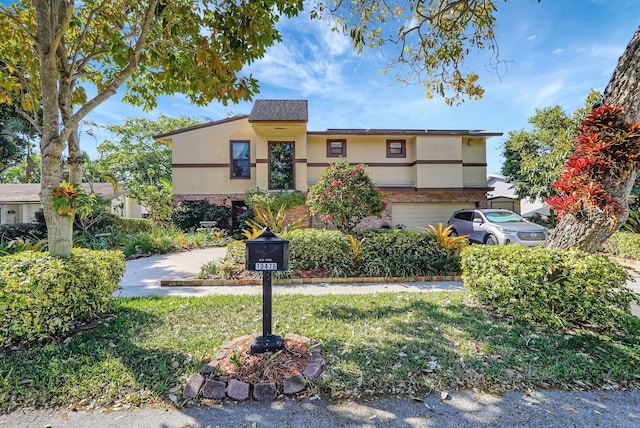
[(279, 111)]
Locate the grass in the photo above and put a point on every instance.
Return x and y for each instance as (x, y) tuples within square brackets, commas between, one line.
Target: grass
[(384, 344)]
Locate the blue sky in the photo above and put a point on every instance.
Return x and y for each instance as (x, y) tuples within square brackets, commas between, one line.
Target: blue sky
[(556, 52)]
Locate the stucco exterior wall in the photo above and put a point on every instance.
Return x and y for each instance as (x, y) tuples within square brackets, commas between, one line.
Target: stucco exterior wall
[(201, 159), (370, 150), (474, 152)]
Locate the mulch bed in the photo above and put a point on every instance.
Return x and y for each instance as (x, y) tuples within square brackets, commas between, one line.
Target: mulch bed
[(237, 363)]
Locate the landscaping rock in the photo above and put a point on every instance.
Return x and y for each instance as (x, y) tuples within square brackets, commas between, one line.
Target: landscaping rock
[(312, 371), (264, 391), (210, 367), (193, 386), (238, 390), (316, 356), (214, 389), (294, 384)]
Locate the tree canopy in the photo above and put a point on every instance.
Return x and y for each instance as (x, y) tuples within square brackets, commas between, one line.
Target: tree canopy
[(17, 138), (68, 57), (133, 160), (434, 38), (533, 159)]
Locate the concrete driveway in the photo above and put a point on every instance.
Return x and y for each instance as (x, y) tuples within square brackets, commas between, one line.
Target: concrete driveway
[(142, 277)]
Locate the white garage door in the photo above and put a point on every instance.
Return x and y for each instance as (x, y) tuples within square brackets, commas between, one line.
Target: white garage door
[(423, 214)]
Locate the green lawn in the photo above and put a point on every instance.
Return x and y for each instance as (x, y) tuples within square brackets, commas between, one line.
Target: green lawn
[(385, 344)]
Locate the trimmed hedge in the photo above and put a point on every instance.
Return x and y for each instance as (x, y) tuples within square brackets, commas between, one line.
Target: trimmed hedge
[(557, 288), (624, 244), (398, 253), (404, 253), (319, 248), (130, 226), (42, 296)]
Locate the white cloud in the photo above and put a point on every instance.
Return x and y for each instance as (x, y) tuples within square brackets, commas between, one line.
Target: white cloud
[(557, 51), (532, 37)]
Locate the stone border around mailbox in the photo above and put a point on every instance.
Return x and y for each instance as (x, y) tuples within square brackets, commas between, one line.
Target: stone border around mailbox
[(350, 280), (204, 385)]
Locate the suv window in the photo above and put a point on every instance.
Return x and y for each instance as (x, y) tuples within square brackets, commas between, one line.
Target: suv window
[(478, 216), (465, 215)]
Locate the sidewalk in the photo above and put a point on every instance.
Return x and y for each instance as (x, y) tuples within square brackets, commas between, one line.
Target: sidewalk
[(143, 276)]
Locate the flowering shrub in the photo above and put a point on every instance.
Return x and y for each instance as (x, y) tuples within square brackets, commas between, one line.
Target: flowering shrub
[(345, 195), (606, 150)]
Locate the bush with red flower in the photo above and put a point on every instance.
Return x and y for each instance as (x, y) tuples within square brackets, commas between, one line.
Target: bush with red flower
[(344, 195)]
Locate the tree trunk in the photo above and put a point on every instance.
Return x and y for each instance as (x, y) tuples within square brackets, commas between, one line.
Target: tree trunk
[(588, 230), (59, 228), (624, 87)]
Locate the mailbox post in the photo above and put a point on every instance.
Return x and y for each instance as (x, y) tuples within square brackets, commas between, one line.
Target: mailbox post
[(267, 253)]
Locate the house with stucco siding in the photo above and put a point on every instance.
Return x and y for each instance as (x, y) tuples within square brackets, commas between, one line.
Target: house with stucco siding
[(424, 174)]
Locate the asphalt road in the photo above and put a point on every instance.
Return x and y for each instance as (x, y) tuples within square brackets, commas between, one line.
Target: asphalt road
[(461, 409)]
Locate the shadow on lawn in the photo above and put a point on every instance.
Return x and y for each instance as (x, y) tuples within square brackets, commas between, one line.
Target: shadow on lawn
[(66, 372), (424, 345)]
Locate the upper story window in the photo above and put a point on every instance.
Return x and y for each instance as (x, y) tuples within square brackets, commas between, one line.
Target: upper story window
[(396, 149), (240, 166), (336, 148)]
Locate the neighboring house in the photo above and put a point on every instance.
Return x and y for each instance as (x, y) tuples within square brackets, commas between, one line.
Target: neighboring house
[(424, 175), (19, 202), (504, 196)]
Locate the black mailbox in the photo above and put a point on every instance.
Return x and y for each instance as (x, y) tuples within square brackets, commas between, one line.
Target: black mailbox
[(267, 253)]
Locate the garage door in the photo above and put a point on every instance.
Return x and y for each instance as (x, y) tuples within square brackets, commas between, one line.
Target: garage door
[(423, 214)]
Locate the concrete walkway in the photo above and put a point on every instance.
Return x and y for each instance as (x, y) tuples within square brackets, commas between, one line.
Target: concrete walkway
[(142, 278)]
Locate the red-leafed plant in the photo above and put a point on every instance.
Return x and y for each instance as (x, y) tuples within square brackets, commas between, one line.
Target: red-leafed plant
[(606, 151), (596, 180)]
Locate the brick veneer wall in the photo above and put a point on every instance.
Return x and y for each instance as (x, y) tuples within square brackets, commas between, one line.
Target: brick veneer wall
[(218, 199), (292, 214), (478, 196)]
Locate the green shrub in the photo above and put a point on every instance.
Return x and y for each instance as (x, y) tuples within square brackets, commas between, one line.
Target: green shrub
[(188, 214), (131, 226), (19, 245), (23, 231), (557, 288), (319, 248), (42, 297), (404, 253), (274, 200), (159, 241), (624, 244)]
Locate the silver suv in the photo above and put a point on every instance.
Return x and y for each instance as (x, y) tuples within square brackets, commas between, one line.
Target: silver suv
[(497, 226)]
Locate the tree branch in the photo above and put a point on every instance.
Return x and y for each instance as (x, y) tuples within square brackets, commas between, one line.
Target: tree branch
[(120, 78)]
